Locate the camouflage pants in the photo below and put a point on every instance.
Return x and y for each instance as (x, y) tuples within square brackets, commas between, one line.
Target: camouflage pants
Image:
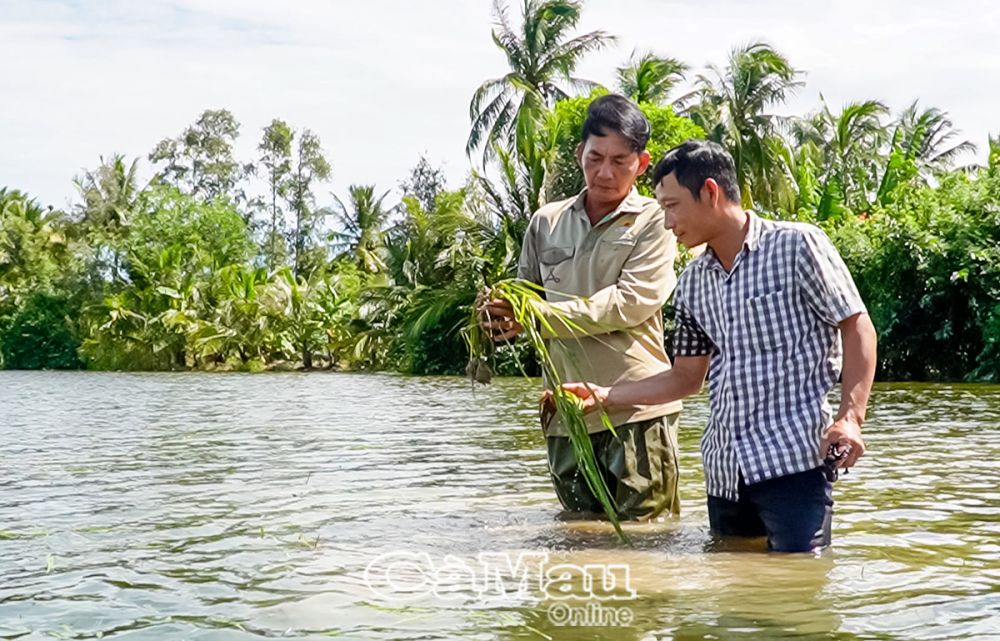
[(639, 466)]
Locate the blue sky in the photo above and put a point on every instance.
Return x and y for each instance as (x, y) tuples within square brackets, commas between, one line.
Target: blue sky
[(382, 81)]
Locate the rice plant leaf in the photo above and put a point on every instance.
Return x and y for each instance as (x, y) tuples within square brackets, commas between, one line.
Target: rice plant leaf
[(527, 302)]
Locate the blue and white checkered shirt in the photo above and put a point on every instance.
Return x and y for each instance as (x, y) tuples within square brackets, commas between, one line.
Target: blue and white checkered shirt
[(770, 326)]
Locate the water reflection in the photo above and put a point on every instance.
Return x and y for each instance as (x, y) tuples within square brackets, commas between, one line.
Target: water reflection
[(723, 596), (176, 506)]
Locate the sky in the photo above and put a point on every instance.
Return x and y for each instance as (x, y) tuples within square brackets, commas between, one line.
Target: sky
[(385, 81)]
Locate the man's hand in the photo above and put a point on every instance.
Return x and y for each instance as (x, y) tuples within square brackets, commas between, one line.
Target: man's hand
[(859, 338), (497, 317), (591, 397), (845, 434)]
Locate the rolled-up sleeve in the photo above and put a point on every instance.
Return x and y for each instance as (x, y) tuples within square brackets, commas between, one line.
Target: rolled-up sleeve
[(647, 279)]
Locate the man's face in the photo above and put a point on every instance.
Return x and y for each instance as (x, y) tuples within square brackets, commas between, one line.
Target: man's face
[(610, 166), (689, 219)]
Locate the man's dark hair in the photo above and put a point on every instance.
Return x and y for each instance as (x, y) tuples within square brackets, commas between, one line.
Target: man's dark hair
[(617, 114), (695, 161)]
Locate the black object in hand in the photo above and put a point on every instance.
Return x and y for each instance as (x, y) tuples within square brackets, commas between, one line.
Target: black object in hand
[(833, 455)]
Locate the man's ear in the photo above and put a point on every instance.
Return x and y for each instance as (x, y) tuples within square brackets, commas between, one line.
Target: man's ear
[(579, 155), (711, 191), (643, 162)]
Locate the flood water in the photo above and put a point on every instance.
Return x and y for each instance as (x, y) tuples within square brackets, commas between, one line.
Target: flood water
[(356, 506)]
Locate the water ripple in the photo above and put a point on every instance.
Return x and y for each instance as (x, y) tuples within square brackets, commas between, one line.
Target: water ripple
[(193, 506)]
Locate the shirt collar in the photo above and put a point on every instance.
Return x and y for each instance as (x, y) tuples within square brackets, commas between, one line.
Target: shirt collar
[(631, 204), (754, 229), (751, 242)]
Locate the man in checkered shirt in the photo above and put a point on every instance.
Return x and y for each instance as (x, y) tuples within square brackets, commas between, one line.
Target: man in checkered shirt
[(769, 312)]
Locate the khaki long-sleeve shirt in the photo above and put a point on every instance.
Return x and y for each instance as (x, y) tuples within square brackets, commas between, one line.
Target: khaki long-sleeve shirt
[(611, 281)]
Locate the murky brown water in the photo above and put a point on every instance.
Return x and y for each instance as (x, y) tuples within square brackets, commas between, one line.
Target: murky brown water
[(197, 506)]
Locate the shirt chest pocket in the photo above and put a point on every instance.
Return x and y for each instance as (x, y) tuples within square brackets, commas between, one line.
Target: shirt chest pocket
[(555, 263), (764, 322), (610, 256), (616, 240), (617, 246)]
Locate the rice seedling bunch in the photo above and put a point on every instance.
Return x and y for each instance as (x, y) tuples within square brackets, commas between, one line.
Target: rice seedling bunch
[(525, 298)]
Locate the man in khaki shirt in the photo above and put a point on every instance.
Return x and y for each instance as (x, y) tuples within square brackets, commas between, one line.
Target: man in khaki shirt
[(606, 262)]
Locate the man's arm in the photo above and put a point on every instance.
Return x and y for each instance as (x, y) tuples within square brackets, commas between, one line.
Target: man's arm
[(683, 380), (830, 291), (643, 287), (646, 282), (860, 341), (692, 355), (497, 316)]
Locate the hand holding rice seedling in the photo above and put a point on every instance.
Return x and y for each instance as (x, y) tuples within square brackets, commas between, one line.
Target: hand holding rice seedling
[(519, 301)]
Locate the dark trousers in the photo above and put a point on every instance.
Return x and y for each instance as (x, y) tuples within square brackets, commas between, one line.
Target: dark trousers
[(793, 511), (639, 466)]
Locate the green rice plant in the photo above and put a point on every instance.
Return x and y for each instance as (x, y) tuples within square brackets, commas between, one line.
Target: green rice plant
[(524, 297)]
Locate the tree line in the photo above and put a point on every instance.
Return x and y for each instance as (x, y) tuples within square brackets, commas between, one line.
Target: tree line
[(226, 263)]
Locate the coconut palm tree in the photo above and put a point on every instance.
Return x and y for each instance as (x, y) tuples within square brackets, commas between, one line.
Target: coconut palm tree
[(850, 150), (238, 322), (922, 146), (33, 245), (647, 77), (110, 196), (928, 137), (733, 105), (361, 225), (542, 56)]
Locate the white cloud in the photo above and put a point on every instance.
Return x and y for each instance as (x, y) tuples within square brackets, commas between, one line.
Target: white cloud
[(382, 81)]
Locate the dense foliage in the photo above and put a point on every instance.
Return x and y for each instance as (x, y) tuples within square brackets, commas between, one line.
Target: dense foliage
[(227, 263)]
